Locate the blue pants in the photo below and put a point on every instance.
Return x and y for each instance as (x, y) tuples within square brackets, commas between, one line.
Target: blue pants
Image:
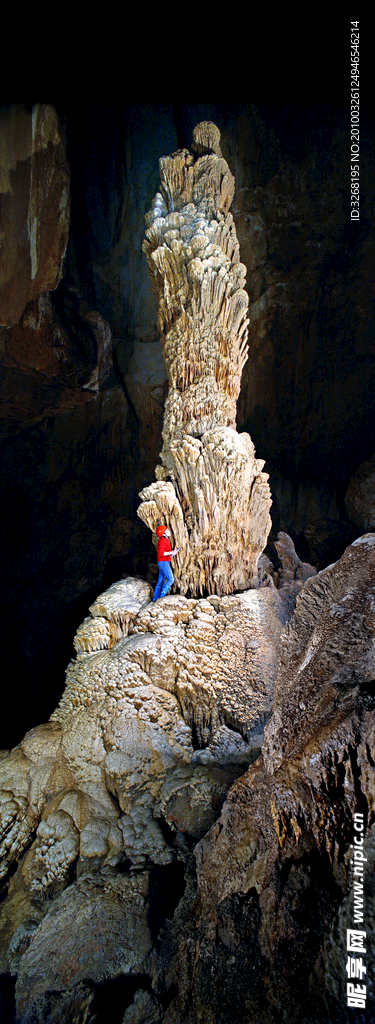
[(165, 580)]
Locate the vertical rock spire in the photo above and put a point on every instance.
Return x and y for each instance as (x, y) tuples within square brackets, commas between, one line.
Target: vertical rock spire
[(210, 488)]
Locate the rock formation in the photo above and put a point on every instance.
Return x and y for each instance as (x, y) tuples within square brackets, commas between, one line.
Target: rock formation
[(164, 707), (126, 865), (210, 487), (75, 458), (102, 806), (274, 891)]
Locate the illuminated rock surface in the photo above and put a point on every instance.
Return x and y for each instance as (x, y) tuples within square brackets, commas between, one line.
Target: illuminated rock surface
[(74, 458), (164, 707), (102, 806), (211, 490)]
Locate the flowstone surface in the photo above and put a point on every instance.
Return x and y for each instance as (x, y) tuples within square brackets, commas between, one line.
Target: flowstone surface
[(164, 707)]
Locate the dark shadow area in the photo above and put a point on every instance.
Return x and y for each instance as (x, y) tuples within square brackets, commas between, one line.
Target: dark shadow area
[(71, 314), (166, 888), (113, 997), (7, 1000)]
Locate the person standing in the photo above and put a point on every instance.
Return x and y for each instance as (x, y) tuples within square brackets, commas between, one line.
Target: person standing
[(164, 555)]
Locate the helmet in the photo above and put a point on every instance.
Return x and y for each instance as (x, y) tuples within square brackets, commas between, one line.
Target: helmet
[(160, 530)]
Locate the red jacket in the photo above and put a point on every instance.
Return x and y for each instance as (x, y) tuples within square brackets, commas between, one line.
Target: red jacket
[(164, 549)]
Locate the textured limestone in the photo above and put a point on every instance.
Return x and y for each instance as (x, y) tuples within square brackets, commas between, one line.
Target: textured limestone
[(122, 602), (189, 800), (322, 710), (164, 706), (54, 351), (68, 948), (28, 779), (134, 767), (280, 852), (96, 634), (327, 651), (300, 245), (210, 487), (337, 939), (111, 614), (54, 358), (292, 569), (276, 407), (34, 206)]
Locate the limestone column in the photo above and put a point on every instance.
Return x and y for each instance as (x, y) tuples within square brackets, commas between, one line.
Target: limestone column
[(210, 488)]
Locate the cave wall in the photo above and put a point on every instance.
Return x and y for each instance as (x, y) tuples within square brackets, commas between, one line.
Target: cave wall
[(83, 382), (306, 396)]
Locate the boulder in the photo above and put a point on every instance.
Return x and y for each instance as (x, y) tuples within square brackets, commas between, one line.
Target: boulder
[(97, 929)]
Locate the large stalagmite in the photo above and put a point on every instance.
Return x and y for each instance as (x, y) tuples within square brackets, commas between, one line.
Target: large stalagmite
[(210, 488)]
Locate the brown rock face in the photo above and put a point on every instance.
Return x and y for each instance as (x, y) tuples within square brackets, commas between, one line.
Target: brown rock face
[(327, 653), (54, 351), (210, 488), (34, 207), (52, 360), (57, 962), (283, 844)]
